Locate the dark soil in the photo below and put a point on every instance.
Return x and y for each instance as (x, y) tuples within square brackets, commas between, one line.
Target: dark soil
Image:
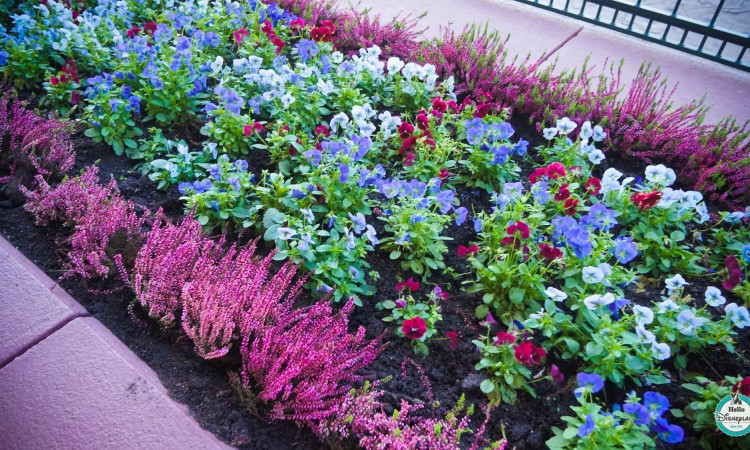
[(215, 404)]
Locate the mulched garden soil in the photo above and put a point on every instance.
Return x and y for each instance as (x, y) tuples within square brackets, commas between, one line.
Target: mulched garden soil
[(205, 387)]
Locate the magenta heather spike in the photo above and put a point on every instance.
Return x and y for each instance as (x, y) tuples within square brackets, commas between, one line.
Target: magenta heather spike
[(39, 145)]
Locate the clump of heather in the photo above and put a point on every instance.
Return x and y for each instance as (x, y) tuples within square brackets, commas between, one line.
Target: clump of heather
[(303, 365), (104, 223), (69, 201), (404, 430), (233, 292), (579, 94), (395, 38), (106, 230), (165, 263), (31, 145), (475, 58)]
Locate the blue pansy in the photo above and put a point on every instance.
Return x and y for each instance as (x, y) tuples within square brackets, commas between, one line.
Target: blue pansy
[(587, 427)]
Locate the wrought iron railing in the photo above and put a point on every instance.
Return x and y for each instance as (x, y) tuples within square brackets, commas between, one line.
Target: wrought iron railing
[(718, 30)]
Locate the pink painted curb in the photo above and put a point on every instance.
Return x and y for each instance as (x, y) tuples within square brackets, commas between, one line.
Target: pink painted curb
[(68, 382), (81, 388), (42, 277), (31, 305)]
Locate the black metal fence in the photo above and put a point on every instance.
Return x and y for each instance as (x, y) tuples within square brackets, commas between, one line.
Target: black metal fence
[(718, 30)]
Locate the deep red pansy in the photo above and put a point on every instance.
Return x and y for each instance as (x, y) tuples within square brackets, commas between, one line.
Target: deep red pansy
[(503, 338), (593, 186), (464, 251), (414, 328), (645, 200)]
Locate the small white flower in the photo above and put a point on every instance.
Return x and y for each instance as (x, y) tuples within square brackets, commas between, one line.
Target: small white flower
[(599, 134), (643, 315), (661, 351), (565, 126), (337, 57), (286, 233), (549, 133), (555, 294), (674, 283), (645, 335), (660, 175), (596, 156), (308, 214), (394, 65), (667, 305), (586, 130), (287, 100), (594, 301), (738, 315), (714, 297), (217, 65), (592, 275)]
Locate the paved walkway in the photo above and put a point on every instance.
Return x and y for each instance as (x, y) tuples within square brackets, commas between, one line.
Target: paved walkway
[(534, 31), (68, 383)]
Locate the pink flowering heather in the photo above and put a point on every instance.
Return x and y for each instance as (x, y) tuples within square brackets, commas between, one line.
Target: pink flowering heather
[(104, 224), (212, 299), (30, 143), (69, 201), (164, 264), (106, 230), (397, 37), (383, 431), (304, 364), (475, 58), (232, 293)]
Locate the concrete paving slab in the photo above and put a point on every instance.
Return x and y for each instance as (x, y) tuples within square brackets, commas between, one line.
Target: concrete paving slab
[(527, 37), (81, 388), (31, 304)]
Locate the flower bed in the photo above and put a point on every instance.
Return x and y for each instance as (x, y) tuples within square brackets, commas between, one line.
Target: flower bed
[(510, 267)]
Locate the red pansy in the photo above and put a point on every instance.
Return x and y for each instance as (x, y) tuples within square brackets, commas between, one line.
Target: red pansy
[(571, 206), (593, 186), (563, 193), (529, 354), (549, 252), (414, 328), (252, 128), (504, 338), (645, 200), (464, 251), (409, 284)]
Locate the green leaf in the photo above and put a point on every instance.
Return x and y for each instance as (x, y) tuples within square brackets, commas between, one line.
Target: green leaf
[(161, 117), (487, 386), (516, 295), (636, 364), (389, 304), (203, 219), (130, 143), (118, 147), (481, 311), (395, 254), (677, 236), (92, 132), (594, 349), (570, 433)]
